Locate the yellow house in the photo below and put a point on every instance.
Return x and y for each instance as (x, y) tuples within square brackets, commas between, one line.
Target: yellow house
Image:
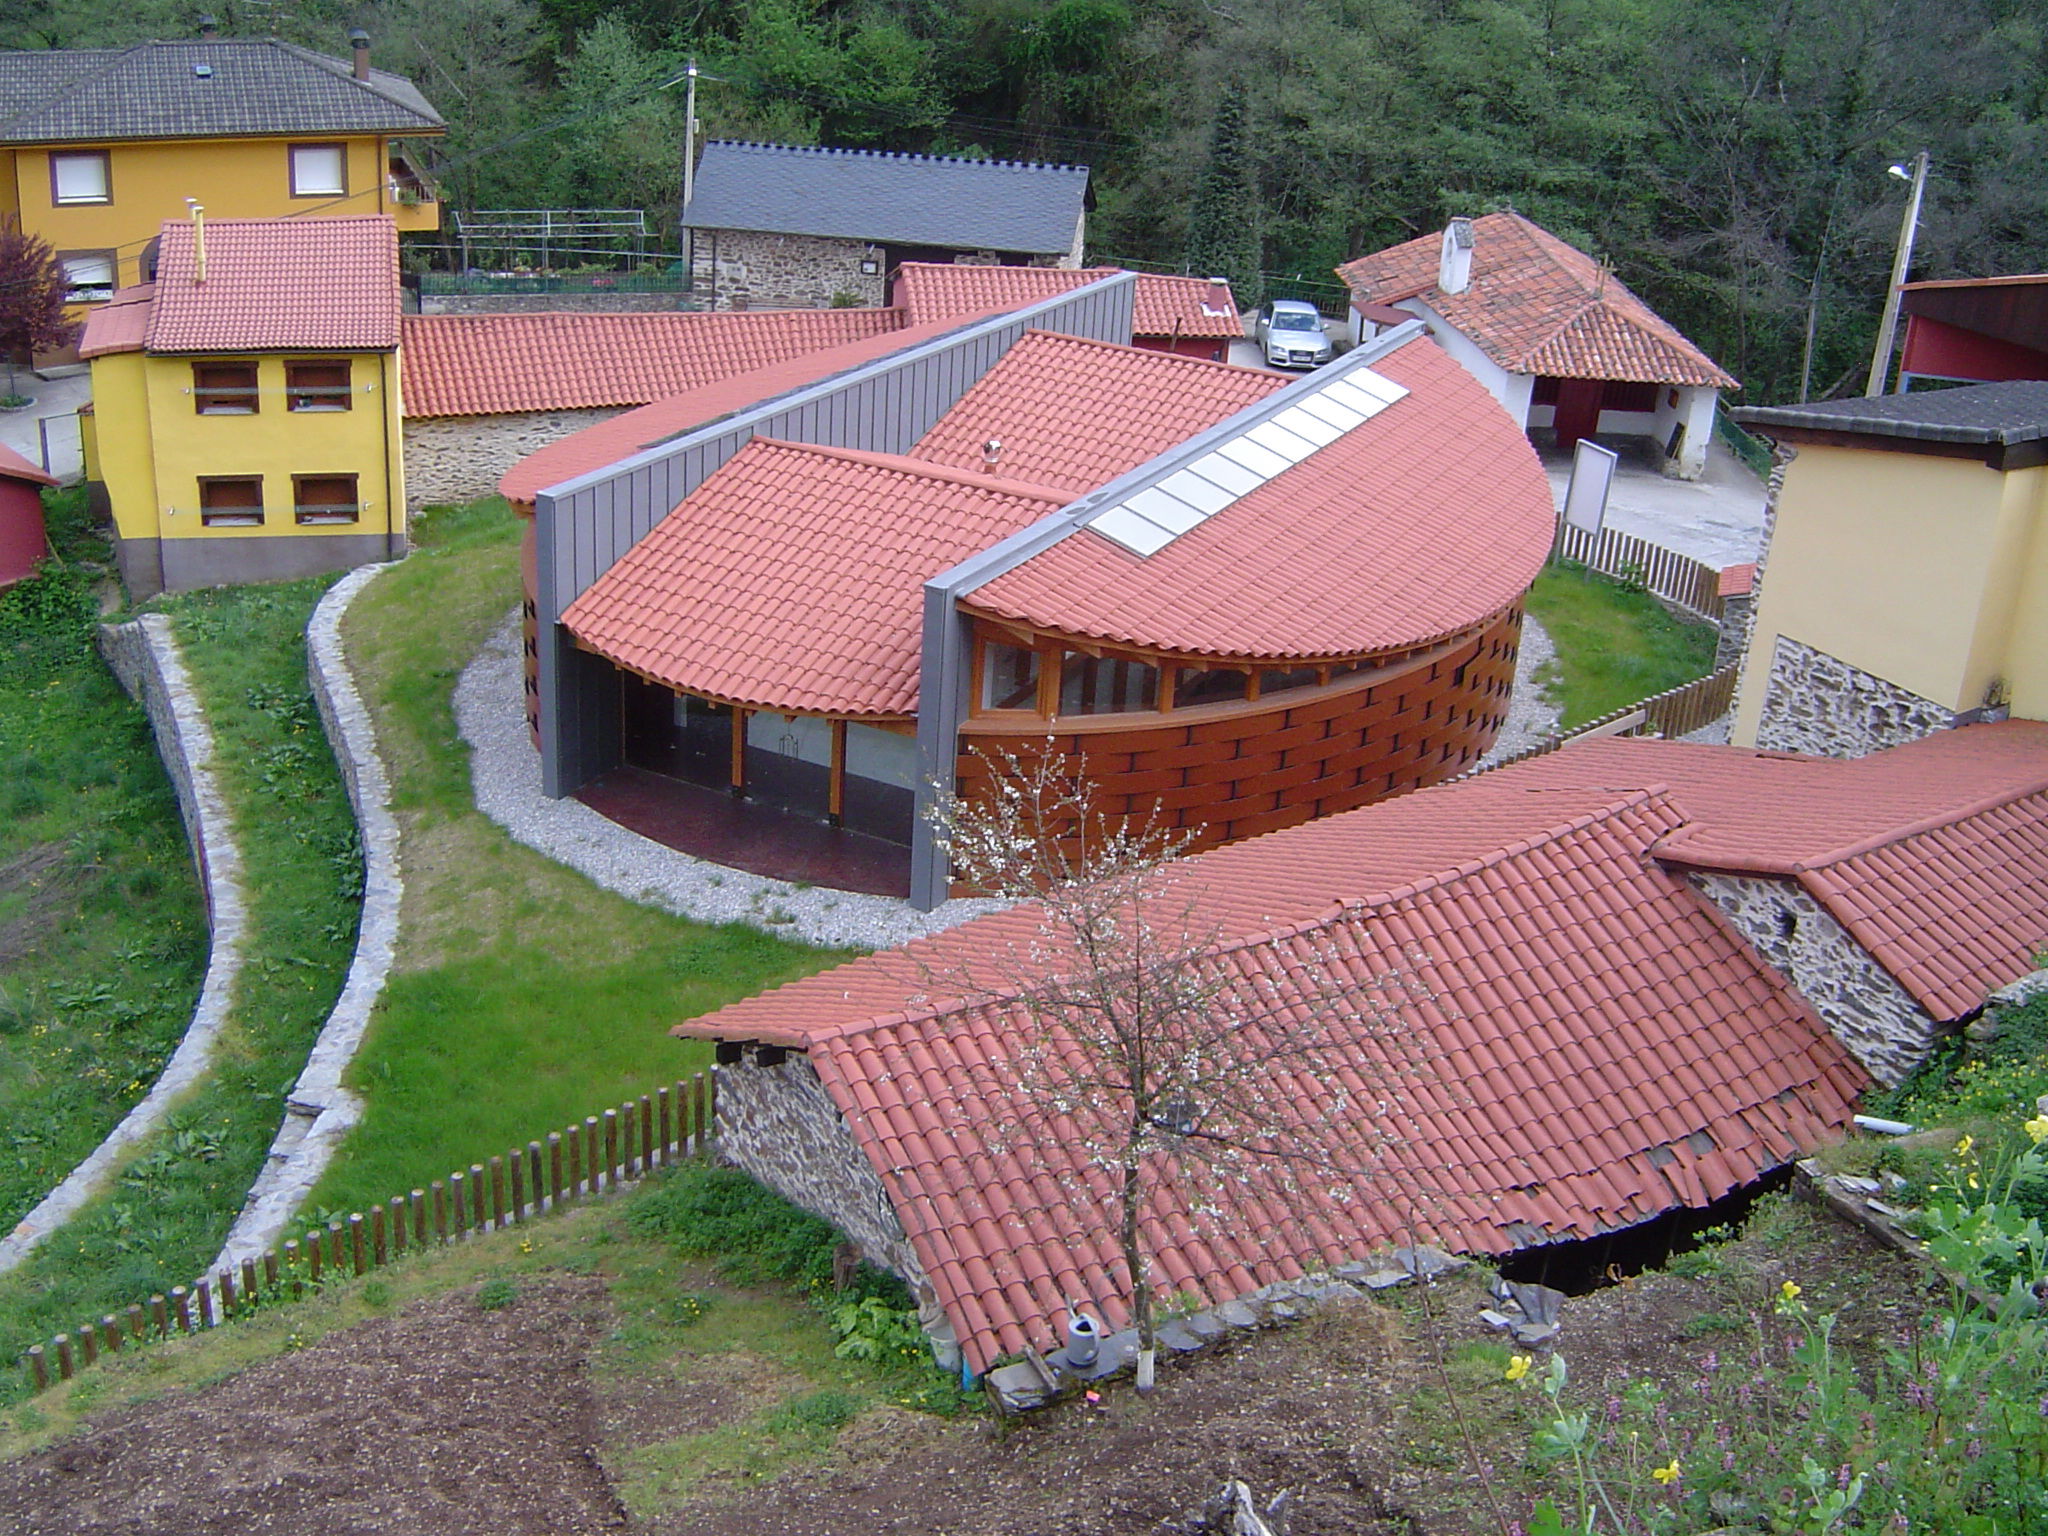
[(1905, 587), (99, 146), (245, 417)]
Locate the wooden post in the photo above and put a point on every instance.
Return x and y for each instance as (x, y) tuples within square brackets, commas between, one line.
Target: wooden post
[(63, 1342), (739, 753), (38, 1368), (497, 1194), (518, 1185), (291, 1264), (554, 1170), (611, 1149), (418, 1202), (159, 1317), (88, 1344), (646, 1135), (110, 1333), (227, 1292), (575, 1163), (534, 1175), (380, 1254), (336, 1254), (440, 1188), (702, 1087), (206, 1316), (479, 1194), (667, 1123), (314, 1258), (181, 1307), (270, 1270), (138, 1326), (835, 789), (590, 1150), (357, 1254)]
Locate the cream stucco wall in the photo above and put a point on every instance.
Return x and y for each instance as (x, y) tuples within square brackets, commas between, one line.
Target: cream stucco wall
[(1908, 566), (2022, 660)]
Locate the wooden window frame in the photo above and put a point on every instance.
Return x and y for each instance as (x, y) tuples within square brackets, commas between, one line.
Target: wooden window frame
[(227, 399), (113, 261), (292, 167), (106, 160), (319, 397), (982, 678), (234, 516), (332, 517)]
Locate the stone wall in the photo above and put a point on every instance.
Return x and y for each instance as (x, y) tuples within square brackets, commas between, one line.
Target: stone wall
[(554, 303), (1869, 1012), (1814, 702), (782, 271), (1738, 619), (453, 459), (780, 1124)]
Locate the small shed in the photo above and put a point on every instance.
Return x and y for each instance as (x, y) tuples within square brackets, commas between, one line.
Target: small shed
[(23, 541)]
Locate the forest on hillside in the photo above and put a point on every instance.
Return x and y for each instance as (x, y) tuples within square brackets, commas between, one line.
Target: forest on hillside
[(1728, 157)]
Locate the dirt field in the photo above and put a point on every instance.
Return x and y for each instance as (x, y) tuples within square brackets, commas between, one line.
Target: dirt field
[(447, 1417)]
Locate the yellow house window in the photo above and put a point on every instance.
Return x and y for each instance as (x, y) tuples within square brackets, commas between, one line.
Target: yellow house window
[(317, 386), (325, 499), (224, 389), (231, 501), (80, 176), (88, 275), (319, 170)]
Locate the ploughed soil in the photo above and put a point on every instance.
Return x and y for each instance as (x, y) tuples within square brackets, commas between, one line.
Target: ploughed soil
[(448, 1418)]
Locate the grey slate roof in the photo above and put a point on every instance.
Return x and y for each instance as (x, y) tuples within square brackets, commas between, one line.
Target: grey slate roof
[(150, 91), (858, 194), (1994, 414)]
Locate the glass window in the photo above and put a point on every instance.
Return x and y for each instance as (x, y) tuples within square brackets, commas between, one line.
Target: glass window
[(1280, 679), (224, 389), (1009, 676), (1217, 686), (319, 170), (231, 501), (325, 498), (1106, 685), (80, 176), (321, 386), (88, 276)]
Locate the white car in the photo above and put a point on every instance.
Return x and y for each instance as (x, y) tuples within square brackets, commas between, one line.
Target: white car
[(1291, 334)]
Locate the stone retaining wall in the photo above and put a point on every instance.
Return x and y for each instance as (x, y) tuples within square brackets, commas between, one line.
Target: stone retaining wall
[(450, 460), (783, 271), (1814, 702), (589, 303), (144, 657)]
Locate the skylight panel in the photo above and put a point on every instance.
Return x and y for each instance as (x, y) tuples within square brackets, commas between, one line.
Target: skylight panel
[(1323, 408), (1291, 446), (1344, 392), (1204, 494), (1377, 384), (1234, 478), (1319, 432), (1155, 505), (1263, 462), (1132, 531)]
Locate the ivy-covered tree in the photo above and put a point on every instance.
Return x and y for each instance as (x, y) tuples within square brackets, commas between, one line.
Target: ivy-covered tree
[(1223, 224), (31, 297)]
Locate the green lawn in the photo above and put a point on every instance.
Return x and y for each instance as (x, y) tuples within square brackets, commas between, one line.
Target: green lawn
[(1615, 646), (524, 997)]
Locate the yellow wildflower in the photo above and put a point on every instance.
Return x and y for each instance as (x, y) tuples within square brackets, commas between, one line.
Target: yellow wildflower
[(1789, 1291), (2037, 1129), (1667, 1474), (1963, 1147), (1518, 1367)]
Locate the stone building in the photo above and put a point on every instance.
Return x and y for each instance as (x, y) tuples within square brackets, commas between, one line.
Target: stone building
[(777, 224)]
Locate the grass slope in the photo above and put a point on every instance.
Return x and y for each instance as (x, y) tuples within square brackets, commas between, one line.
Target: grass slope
[(524, 996), (1615, 645)]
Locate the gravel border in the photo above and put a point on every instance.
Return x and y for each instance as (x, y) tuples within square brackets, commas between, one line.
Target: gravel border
[(145, 659), (319, 1111), (505, 774), (1532, 717)]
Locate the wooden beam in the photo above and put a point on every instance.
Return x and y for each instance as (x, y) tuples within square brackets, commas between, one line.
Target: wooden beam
[(739, 751), (835, 793)]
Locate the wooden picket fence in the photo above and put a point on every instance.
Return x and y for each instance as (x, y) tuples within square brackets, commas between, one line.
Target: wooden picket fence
[(1675, 712), (1674, 577), (575, 1163)]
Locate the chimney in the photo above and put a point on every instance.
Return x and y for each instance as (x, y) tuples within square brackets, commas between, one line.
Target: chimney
[(198, 239), (991, 454), (209, 29), (1454, 266), (359, 40), (1217, 301)]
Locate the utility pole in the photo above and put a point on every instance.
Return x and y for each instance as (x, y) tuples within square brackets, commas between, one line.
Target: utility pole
[(1881, 357), (690, 134)]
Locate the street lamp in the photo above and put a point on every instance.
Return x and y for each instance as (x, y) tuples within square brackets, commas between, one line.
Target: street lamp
[(1881, 357)]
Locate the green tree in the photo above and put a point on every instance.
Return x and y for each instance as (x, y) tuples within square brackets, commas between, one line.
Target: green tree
[(1223, 225)]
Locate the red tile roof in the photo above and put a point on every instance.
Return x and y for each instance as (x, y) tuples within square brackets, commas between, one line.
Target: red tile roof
[(119, 324), (1165, 306), (1934, 855), (606, 442), (1420, 523), (14, 467), (1737, 580), (1536, 305), (273, 285), (1595, 1046), (478, 365), (1074, 414), (793, 577)]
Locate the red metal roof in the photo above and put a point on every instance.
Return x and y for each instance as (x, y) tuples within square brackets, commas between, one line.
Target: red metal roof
[(1165, 306), (1589, 1045), (606, 442), (477, 365), (1934, 855), (117, 325), (793, 577), (1074, 414), (276, 285), (1536, 305), (1420, 523)]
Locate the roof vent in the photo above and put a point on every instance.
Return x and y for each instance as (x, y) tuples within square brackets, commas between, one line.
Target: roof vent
[(992, 454), (1217, 300), (209, 28), (359, 41), (1454, 265), (203, 71)]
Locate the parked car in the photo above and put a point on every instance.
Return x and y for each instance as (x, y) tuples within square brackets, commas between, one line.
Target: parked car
[(1291, 334)]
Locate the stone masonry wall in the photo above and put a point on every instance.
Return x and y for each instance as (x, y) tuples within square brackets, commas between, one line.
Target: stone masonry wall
[(782, 271), (453, 459), (1869, 1012), (780, 1125), (1814, 702)]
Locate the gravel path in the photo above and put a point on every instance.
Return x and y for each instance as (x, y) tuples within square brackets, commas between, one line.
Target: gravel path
[(505, 773), (1531, 715)]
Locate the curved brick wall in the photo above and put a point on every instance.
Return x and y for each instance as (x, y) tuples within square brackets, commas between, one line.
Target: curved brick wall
[(1237, 772)]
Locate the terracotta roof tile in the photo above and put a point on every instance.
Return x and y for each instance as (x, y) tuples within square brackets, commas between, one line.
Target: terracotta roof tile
[(1420, 523), (1537, 305), (1737, 580), (793, 578), (118, 325), (1074, 414), (1166, 307), (1584, 1140), (272, 285), (14, 467), (475, 365)]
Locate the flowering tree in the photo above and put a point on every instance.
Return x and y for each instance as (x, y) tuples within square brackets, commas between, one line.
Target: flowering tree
[(31, 296), (1233, 1078)]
